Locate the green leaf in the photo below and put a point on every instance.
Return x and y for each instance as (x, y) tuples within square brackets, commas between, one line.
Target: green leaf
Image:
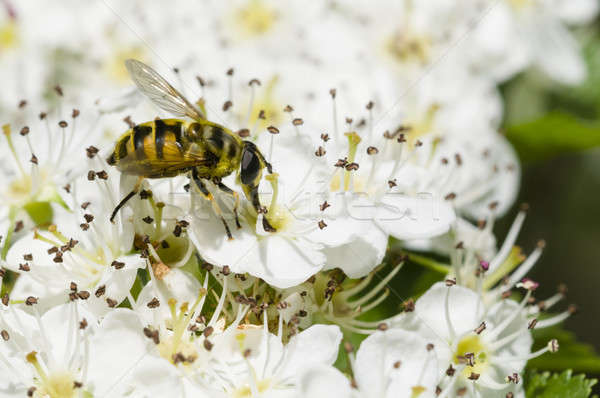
[(546, 385), (572, 354), (553, 134)]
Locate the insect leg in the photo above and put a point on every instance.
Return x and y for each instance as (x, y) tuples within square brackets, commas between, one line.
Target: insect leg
[(236, 197), (208, 196), (130, 195)]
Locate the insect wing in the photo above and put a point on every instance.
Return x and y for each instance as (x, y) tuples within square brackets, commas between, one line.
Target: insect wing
[(157, 89)]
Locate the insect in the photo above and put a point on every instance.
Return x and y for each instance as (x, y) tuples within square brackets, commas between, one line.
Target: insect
[(200, 148)]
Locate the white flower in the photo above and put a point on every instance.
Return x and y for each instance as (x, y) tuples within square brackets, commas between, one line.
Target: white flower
[(65, 351), (83, 248), (479, 351), (255, 363), (513, 35), (36, 167), (395, 363), (325, 299)]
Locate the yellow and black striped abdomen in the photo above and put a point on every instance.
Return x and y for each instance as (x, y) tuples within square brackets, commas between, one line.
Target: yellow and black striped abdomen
[(152, 149)]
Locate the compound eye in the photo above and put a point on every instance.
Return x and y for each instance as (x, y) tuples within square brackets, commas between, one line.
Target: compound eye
[(250, 168)]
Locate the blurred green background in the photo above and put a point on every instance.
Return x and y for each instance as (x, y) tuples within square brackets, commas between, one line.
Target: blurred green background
[(556, 131)]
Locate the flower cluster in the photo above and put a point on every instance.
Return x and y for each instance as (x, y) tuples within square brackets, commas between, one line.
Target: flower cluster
[(378, 133)]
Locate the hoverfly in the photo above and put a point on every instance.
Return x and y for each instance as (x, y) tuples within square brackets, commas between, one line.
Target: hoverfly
[(169, 147)]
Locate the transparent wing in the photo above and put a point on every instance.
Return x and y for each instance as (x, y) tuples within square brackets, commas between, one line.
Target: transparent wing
[(159, 91)]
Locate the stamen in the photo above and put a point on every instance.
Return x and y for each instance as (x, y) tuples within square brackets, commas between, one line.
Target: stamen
[(509, 241)]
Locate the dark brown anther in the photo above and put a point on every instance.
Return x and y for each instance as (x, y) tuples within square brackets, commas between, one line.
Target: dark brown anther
[(273, 130), (450, 282), (88, 218), (33, 159), (320, 151), (5, 335), (288, 108), (321, 224), (401, 138), (207, 345), (63, 124), (333, 92), (461, 392), (42, 115), (100, 291), (458, 159), (480, 328), (349, 120), (5, 299), (91, 151), (103, 175), (111, 303), (532, 324), (83, 324), (19, 226), (369, 105), (24, 267), (226, 270), (84, 226), (450, 371), (262, 114), (73, 286), (474, 376), (84, 294), (22, 104), (324, 206), (325, 137), (24, 130), (418, 143), (408, 305), (28, 257), (154, 303), (58, 257), (226, 105), (230, 72), (148, 220), (31, 391), (372, 150), (450, 196), (383, 327), (75, 113), (91, 175), (31, 300), (254, 82), (341, 163), (117, 264), (429, 347), (243, 133), (128, 121), (297, 122), (352, 166), (58, 89)]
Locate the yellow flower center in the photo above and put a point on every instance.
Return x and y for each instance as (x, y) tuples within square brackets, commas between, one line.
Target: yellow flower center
[(115, 65), (9, 37), (56, 385), (406, 46), (520, 4), (246, 391), (255, 19), (472, 352)]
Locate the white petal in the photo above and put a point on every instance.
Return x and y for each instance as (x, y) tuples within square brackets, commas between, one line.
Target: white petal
[(405, 217), (375, 370), (324, 381), (116, 350)]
